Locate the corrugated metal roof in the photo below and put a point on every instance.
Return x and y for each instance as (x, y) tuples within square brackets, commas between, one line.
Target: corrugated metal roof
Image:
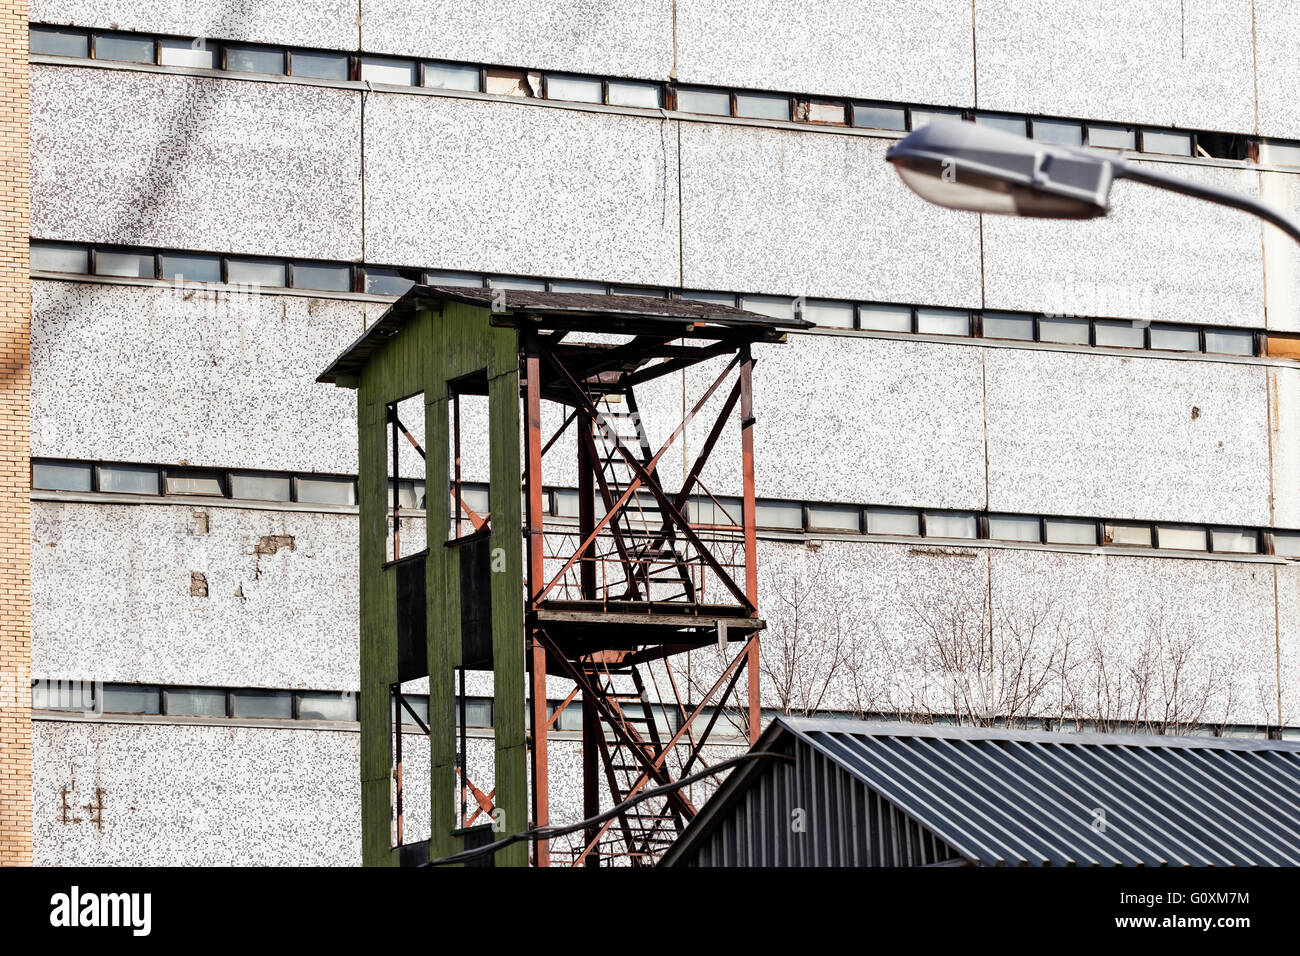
[(552, 309), (1000, 797)]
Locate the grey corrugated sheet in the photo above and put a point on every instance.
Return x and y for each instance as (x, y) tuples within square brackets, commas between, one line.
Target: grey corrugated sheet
[(998, 797)]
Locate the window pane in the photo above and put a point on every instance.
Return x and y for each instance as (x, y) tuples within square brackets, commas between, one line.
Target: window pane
[(950, 524), (64, 695), (924, 117), (134, 264), (255, 59), (327, 491), (314, 705), (704, 510), (837, 315), (943, 321), (763, 106), (263, 703), (1282, 154), (713, 102), (475, 497), (581, 89), (262, 272), (1014, 528), (776, 306), (259, 487), (327, 278), (1007, 325), (57, 476), (825, 111), (1230, 341), (384, 70), (193, 268), (716, 298), (194, 53), (835, 517), (1070, 531), (1072, 331), (130, 699), (321, 66), (1164, 141), (196, 702), (478, 712), (517, 282), (1112, 137), (59, 258), (893, 521), (56, 42), (1287, 543), (129, 479), (387, 282), (1060, 132), (451, 76), (133, 49), (885, 318), (1127, 533), (414, 702), (507, 82), (778, 514), (1239, 540), (1118, 334), (200, 483), (645, 290), (585, 288), (877, 116), (1178, 338), (1181, 537), (622, 93), (468, 280), (565, 503), (1008, 124), (570, 718)]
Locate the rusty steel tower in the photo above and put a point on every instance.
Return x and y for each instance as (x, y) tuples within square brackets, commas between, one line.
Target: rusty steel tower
[(605, 602)]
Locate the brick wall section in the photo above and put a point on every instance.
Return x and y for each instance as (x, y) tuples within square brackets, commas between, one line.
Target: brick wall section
[(15, 526)]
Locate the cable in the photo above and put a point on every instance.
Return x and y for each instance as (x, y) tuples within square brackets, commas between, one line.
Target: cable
[(550, 833)]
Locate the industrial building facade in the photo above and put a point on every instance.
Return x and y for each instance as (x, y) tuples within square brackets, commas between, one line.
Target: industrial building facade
[(1035, 473)]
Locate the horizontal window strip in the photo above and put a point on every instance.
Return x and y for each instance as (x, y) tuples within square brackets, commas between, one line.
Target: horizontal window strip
[(255, 487), (253, 274), (100, 698), (821, 111)]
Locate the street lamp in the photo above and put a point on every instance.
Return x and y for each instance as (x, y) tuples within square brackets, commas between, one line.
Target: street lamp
[(982, 169)]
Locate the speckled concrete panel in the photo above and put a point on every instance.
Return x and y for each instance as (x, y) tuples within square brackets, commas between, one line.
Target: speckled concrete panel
[(796, 213), (1281, 254), (1127, 437), (1288, 644), (615, 38), (1155, 256), (196, 796), (872, 628), (111, 595), (1169, 64), (263, 168), (185, 375), (496, 187), (857, 420), (1277, 84), (911, 50), (323, 23), (1205, 627), (1284, 425)]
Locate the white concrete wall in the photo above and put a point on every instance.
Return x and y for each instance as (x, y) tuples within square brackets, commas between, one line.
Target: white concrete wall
[(185, 162), (1168, 64), (878, 49), (188, 376), (324, 23), (111, 596), (1119, 437)]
